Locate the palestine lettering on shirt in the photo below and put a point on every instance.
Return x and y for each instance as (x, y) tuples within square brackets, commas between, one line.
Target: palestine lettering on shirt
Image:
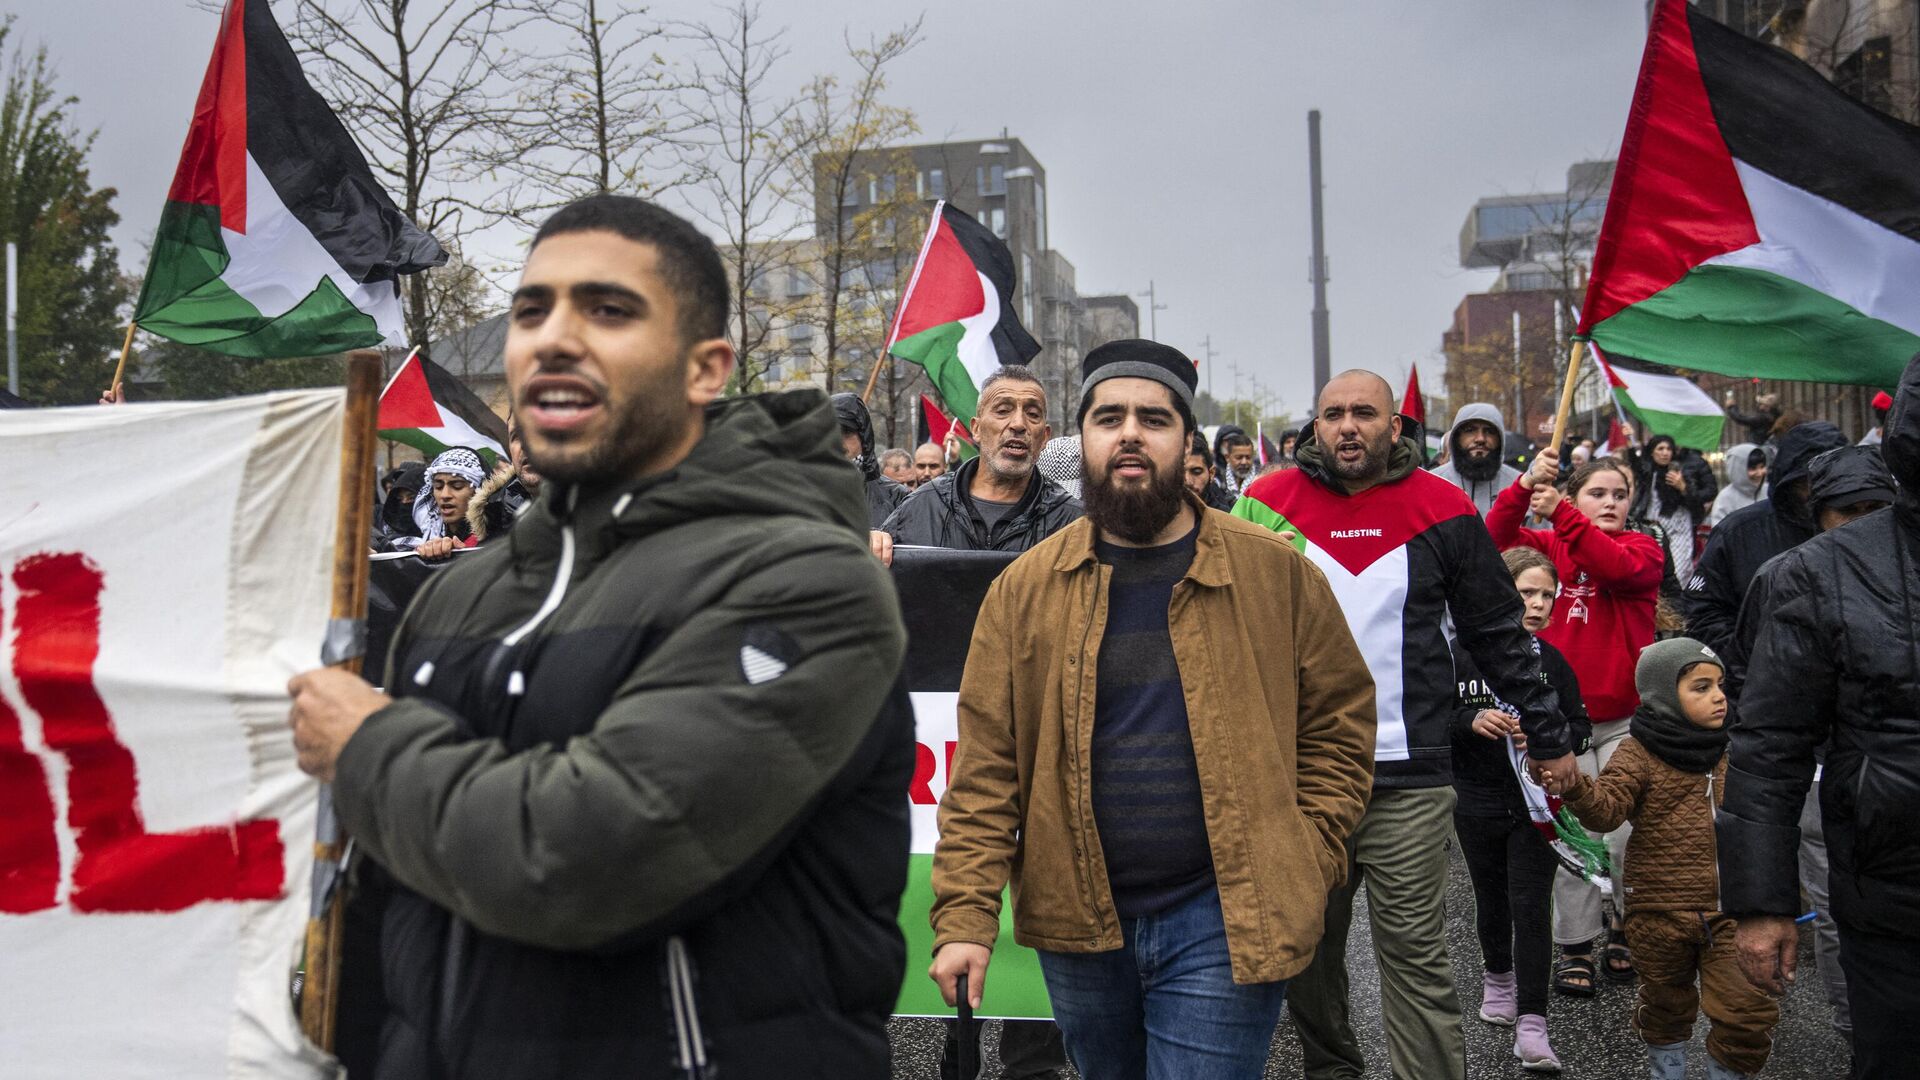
[(1146, 784)]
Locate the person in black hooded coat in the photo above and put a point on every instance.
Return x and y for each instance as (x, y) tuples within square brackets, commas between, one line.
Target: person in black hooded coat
[(1838, 665), (404, 484), (883, 495), (1223, 469), (1745, 539)]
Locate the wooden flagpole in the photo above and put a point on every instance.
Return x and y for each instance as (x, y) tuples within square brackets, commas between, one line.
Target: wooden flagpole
[(874, 378), (345, 646), (120, 369), (1579, 354)]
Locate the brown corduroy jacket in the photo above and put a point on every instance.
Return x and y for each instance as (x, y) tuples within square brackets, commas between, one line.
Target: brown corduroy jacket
[(1281, 709), (1670, 856)]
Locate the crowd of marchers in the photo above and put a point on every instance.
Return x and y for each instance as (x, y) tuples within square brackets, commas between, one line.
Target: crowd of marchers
[(633, 790)]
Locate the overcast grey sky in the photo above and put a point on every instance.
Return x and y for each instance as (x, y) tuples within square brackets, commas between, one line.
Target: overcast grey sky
[(1173, 134)]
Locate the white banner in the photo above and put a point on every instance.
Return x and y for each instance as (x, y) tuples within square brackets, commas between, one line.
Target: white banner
[(164, 571)]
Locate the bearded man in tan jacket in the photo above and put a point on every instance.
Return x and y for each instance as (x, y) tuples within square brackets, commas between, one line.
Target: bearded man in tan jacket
[(1166, 734)]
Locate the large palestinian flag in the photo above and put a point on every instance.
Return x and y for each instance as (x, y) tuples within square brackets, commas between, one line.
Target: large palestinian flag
[(275, 240), (427, 408), (1761, 222), (1665, 405), (956, 318)]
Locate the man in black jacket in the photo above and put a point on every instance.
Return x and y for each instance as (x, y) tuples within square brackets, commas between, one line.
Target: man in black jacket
[(1843, 484), (1838, 664), (640, 778), (998, 501), (884, 496), (1748, 537)]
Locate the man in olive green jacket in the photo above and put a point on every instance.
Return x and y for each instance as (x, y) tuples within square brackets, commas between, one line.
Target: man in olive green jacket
[(1166, 731)]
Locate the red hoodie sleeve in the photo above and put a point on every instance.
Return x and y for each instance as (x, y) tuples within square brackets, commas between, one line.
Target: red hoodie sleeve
[(1504, 518), (1625, 560)]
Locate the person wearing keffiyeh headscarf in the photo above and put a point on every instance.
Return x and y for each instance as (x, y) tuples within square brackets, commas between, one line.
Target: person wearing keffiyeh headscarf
[(1059, 462), (441, 509)]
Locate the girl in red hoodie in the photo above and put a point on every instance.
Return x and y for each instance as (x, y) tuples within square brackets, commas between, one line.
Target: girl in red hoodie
[(1610, 584)]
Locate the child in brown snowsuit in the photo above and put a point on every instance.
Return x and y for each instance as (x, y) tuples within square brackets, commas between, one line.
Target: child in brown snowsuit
[(1666, 778)]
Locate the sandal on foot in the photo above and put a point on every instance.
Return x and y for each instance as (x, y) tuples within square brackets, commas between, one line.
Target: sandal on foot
[(1616, 959), (1573, 976)]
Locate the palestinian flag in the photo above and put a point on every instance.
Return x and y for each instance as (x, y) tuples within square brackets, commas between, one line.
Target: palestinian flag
[(1665, 405), (1413, 405), (1761, 222), (956, 318), (936, 424), (426, 408), (1617, 440), (275, 240)]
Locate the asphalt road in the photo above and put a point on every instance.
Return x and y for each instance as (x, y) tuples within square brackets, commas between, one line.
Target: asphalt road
[(1591, 1036)]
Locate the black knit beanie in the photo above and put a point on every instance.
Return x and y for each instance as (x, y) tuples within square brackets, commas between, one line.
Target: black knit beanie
[(1136, 358)]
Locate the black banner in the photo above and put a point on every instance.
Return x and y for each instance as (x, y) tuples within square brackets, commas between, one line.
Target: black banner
[(940, 594)]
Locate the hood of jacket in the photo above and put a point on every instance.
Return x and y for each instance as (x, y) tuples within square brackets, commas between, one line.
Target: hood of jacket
[(1798, 447), (765, 454), (1402, 460), (1220, 442), (395, 514), (853, 416), (1901, 437), (1846, 475), (479, 513), (1478, 410), (1735, 468)]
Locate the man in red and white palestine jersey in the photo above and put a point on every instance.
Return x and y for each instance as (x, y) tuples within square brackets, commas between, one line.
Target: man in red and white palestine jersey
[(1404, 551)]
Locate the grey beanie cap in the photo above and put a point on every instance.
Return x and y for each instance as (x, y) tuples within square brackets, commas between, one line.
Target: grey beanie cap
[(1657, 675)]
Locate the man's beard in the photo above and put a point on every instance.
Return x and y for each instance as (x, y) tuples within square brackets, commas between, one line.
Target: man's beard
[(1371, 466), (1135, 514), (653, 421), (1482, 468)]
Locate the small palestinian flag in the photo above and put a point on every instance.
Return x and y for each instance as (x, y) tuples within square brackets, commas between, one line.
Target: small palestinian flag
[(956, 318), (937, 424), (1666, 405), (1617, 440), (427, 408), (1413, 405), (1761, 222), (275, 240)]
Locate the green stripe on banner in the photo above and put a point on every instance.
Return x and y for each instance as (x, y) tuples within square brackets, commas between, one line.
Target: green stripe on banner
[(1015, 988), (1751, 323), (937, 349)]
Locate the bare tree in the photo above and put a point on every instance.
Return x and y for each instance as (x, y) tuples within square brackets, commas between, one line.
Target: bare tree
[(740, 150), (857, 189), (595, 110), (418, 85), (1870, 50)]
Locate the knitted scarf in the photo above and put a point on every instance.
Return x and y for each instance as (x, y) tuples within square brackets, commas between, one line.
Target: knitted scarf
[(1669, 737)]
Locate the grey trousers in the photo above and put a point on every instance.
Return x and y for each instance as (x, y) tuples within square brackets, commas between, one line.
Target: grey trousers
[(1826, 936), (1400, 851)]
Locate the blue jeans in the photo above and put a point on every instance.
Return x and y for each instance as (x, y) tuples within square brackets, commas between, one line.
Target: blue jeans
[(1164, 1005)]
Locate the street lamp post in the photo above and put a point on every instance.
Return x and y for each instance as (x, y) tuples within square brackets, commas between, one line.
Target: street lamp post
[(1154, 308)]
